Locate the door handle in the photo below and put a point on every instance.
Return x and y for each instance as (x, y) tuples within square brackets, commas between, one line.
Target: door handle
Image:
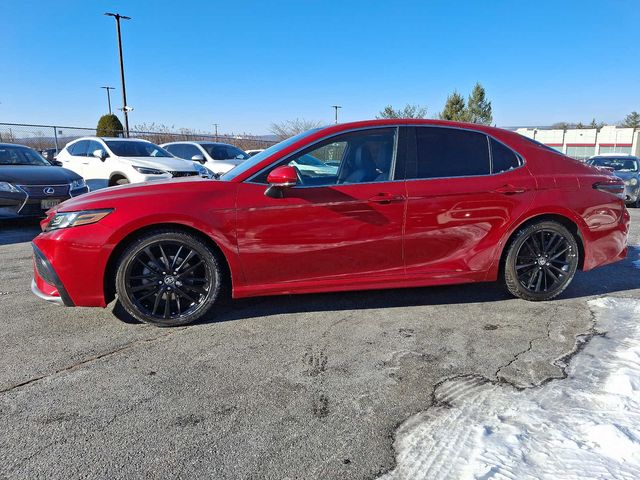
[(510, 190), (385, 197)]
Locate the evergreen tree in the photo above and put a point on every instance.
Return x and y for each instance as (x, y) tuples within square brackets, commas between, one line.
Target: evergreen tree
[(409, 111), (478, 107), (109, 126), (454, 109), (632, 120)]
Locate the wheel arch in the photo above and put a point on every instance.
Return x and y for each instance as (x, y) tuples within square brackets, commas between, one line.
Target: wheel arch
[(109, 280), (564, 220), (115, 176)]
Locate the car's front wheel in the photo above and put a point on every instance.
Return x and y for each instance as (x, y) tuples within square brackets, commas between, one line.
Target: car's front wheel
[(541, 261), (168, 278)]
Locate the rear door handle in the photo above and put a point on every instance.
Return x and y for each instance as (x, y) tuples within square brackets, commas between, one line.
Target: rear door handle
[(385, 197), (510, 190)]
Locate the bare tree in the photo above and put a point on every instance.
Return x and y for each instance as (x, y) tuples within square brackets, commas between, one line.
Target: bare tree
[(289, 128)]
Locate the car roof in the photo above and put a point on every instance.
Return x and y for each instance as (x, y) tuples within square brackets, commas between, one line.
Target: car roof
[(14, 145), (197, 142), (112, 138), (616, 155)]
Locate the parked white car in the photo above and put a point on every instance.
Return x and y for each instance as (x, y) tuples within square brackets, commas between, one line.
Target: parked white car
[(217, 157), (255, 151), (105, 162)]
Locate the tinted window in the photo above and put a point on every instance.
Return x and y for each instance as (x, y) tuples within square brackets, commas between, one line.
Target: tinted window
[(132, 148), (502, 157), (20, 156), (358, 157), (448, 152), (92, 146), (177, 150), (224, 152), (190, 151), (79, 149)]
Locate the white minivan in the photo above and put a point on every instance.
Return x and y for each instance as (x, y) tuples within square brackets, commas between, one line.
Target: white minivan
[(106, 162)]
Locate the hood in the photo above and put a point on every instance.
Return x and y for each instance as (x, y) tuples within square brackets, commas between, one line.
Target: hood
[(134, 192), (163, 163), (222, 165), (36, 175), (625, 175)]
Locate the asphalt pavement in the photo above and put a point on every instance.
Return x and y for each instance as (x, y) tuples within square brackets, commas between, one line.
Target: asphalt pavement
[(309, 386)]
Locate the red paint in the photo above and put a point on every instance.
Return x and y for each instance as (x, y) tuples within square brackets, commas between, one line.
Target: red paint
[(616, 144), (347, 236)]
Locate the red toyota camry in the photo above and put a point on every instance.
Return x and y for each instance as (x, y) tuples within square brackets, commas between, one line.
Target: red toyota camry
[(366, 205)]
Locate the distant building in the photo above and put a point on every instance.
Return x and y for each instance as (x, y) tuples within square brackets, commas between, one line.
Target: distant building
[(582, 143)]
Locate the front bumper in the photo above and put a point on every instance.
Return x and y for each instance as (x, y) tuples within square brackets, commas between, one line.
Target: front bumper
[(28, 202), (46, 284)]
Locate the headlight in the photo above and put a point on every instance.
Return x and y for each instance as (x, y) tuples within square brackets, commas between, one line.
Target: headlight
[(202, 170), (80, 183), (7, 187), (633, 182), (149, 171), (74, 219)]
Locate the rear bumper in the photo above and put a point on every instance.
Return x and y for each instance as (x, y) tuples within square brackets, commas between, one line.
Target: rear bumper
[(46, 284)]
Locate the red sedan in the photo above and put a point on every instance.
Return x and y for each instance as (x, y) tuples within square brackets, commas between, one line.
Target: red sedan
[(366, 205)]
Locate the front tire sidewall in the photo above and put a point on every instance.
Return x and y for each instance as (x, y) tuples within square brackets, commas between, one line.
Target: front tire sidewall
[(510, 276), (128, 257)]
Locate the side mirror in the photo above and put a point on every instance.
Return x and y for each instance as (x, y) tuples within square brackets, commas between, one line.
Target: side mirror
[(101, 154), (280, 178), (56, 163), (198, 158)]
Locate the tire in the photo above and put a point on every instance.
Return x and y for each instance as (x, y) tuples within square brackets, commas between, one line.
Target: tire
[(178, 295), (541, 261)]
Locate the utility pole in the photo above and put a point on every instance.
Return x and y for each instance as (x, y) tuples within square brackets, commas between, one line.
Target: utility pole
[(216, 127), (336, 107), (108, 97), (125, 107)]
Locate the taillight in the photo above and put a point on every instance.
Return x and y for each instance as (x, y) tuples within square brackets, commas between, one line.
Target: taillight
[(614, 186)]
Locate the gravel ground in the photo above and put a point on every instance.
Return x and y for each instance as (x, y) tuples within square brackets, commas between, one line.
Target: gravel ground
[(310, 386)]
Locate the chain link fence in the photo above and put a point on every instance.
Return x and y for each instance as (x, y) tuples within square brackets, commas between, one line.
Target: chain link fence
[(42, 137)]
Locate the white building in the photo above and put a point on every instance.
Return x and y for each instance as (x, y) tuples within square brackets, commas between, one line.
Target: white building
[(582, 143)]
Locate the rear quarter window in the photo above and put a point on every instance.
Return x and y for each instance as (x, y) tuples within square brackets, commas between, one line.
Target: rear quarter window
[(503, 158)]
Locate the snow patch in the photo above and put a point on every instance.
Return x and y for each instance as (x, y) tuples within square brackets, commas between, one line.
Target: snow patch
[(585, 426)]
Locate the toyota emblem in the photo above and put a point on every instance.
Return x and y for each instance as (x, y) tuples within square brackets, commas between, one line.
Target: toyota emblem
[(49, 190)]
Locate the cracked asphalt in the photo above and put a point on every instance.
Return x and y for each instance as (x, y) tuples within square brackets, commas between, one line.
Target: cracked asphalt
[(309, 386)]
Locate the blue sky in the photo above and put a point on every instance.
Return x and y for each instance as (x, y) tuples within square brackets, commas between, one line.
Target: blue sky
[(246, 64)]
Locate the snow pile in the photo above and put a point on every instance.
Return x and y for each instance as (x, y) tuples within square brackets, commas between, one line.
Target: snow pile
[(585, 426)]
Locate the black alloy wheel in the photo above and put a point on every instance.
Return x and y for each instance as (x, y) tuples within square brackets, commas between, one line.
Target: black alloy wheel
[(168, 278), (541, 261)]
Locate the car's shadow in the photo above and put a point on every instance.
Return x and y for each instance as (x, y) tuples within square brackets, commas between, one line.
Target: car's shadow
[(618, 277), (19, 230)]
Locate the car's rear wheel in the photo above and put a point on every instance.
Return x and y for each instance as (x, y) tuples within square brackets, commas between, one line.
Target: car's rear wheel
[(541, 261), (168, 278)]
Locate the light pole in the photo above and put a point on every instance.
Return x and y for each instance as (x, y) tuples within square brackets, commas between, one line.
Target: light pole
[(216, 127), (336, 107), (125, 108), (108, 97)]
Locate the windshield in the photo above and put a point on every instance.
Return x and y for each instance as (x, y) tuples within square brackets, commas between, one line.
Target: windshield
[(10, 155), (128, 148), (618, 164), (259, 157), (225, 152)]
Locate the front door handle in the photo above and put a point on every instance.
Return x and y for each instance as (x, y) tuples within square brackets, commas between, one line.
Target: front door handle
[(385, 197), (510, 190)]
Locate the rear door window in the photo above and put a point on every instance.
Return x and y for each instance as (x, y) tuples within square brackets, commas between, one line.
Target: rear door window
[(449, 152), (79, 149)]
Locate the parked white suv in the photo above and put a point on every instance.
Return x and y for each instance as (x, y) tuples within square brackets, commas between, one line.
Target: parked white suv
[(217, 157), (105, 162)]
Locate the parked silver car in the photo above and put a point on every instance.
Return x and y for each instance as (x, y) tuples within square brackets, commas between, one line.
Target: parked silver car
[(626, 167), (218, 157)]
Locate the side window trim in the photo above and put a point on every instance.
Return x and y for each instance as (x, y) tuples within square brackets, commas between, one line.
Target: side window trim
[(327, 139)]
